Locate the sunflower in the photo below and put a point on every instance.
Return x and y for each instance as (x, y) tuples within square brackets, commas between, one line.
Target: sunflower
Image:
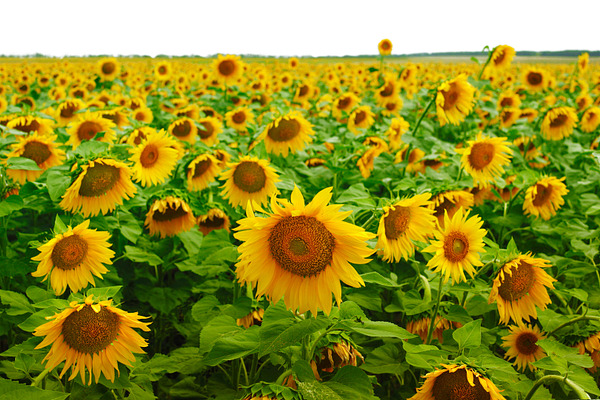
[(143, 114), (117, 116), (457, 382), (502, 56), (535, 79), (228, 68), (239, 118), (255, 317), (485, 158), (421, 327), (213, 220), (102, 185), (39, 148), (136, 137), (163, 70), (209, 130), (250, 179), (545, 197), (108, 68), (583, 101), (67, 111), (301, 252), (406, 220), (590, 119), (169, 216), (336, 354), (392, 106), (520, 286), (288, 133), (361, 118), (345, 103), (454, 100), (93, 336), (71, 258), (398, 127), (583, 61), (591, 345), (154, 159), (388, 91), (183, 129), (87, 127), (521, 345), (458, 246), (385, 47), (559, 122), (203, 170), (508, 99), (449, 202), (29, 124)]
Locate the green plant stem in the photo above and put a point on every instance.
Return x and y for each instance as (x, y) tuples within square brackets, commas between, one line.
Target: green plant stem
[(314, 345), (421, 118), (243, 364), (487, 62), (572, 321), (284, 375), (40, 377), (226, 373), (435, 312), (254, 367), (580, 393)]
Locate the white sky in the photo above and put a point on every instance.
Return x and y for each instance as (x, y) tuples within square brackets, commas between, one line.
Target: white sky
[(292, 28)]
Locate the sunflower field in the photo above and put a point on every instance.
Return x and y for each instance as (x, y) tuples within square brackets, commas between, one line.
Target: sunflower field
[(288, 229)]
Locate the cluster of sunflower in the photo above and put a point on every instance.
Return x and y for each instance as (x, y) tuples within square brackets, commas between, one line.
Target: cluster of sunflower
[(417, 173)]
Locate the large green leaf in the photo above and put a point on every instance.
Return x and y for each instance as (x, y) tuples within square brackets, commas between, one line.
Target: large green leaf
[(138, 255), (231, 347), (277, 336), (469, 335), (17, 302), (10, 390)]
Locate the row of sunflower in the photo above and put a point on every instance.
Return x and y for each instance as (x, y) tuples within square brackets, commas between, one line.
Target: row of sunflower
[(228, 201)]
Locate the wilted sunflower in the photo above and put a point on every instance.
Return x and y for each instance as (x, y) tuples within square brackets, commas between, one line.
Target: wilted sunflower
[(29, 124), (255, 317), (301, 252), (407, 220), (101, 186), (335, 355), (590, 119), (520, 286), (288, 133), (458, 246), (421, 327), (449, 202), (559, 123), (209, 130), (250, 179), (454, 100), (535, 79), (398, 127), (169, 216), (108, 68), (39, 148), (228, 68), (522, 347), (361, 118), (154, 159), (213, 220), (502, 56), (385, 47), (87, 127), (457, 382), (591, 345), (203, 170), (545, 197), (96, 337), (183, 129), (485, 158), (239, 118), (73, 257)]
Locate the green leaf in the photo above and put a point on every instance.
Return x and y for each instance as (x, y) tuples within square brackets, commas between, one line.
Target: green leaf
[(376, 278), (57, 183), (91, 148), (104, 293), (37, 319), (457, 313), (584, 380), (277, 336), (11, 204), (192, 241), (217, 328), (37, 294), (469, 335), (556, 349), (303, 371), (22, 163), (59, 225), (204, 306), (18, 303), (424, 356), (379, 329), (352, 383), (351, 310), (231, 347), (129, 225), (314, 390), (138, 255), (10, 390), (386, 359), (356, 194)]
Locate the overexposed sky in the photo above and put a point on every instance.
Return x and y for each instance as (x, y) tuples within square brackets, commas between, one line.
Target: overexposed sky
[(292, 28)]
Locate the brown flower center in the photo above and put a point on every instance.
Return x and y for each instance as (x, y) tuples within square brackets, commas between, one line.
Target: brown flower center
[(287, 129), (534, 78), (27, 127), (455, 386), (385, 45), (169, 214), (201, 167), (498, 60), (69, 252), (450, 97), (542, 195), (517, 285), (456, 246), (387, 91), (526, 343), (149, 156), (360, 117), (182, 129), (90, 332), (250, 177), (207, 131), (108, 68), (213, 222), (69, 109), (239, 117), (558, 121), (98, 180), (481, 155), (391, 106), (301, 245), (506, 102), (344, 103), (88, 129), (162, 70), (36, 151), (226, 67), (396, 222), (303, 90)]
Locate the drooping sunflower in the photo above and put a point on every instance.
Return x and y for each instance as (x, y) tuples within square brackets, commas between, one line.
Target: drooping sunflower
[(457, 382), (203, 170), (385, 47), (366, 162), (421, 327), (398, 127), (535, 79), (169, 216), (102, 185), (228, 69), (407, 220), (591, 346), (96, 337), (458, 246), (213, 220), (485, 158), (361, 118), (449, 202), (520, 286), (183, 129), (545, 197), (255, 317), (590, 119), (39, 148), (334, 355), (70, 259), (66, 111), (502, 56), (250, 179), (154, 159), (239, 118), (87, 127), (559, 123), (29, 124), (288, 133), (301, 252), (209, 130), (454, 100), (108, 68), (521, 346)]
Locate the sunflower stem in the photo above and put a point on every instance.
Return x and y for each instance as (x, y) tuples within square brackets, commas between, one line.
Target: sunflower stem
[(254, 367), (421, 118), (243, 364), (579, 392), (284, 375), (487, 62), (435, 312), (40, 377), (572, 321), (313, 348)]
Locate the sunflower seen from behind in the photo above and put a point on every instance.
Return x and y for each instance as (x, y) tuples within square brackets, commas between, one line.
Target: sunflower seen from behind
[(520, 345), (73, 258), (42, 149), (545, 197), (154, 159), (485, 158), (288, 133), (454, 100), (92, 339), (301, 252), (249, 179)]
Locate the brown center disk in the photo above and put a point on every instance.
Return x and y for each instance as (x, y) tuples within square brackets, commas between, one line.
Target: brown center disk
[(69, 252), (534, 78), (212, 222), (517, 285), (526, 343), (149, 156), (28, 128), (558, 121), (456, 246), (68, 110), (36, 151), (450, 97), (201, 167), (182, 129), (226, 67), (455, 386), (481, 155), (446, 205), (387, 91), (385, 45), (506, 102), (98, 180), (207, 131), (169, 214), (90, 332), (391, 106), (162, 70), (542, 195), (88, 129), (303, 90), (396, 222), (360, 117), (108, 68), (301, 245), (498, 60), (249, 177), (286, 129), (344, 103), (239, 117)]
